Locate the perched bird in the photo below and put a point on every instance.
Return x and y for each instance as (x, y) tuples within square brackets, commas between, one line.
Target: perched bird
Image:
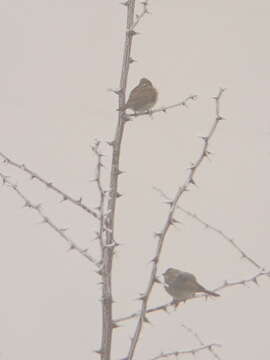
[(142, 98), (183, 285)]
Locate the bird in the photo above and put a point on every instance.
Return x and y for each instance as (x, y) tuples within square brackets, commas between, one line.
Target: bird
[(142, 98), (183, 285)]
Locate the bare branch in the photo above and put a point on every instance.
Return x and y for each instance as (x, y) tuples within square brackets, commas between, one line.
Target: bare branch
[(252, 279), (165, 108), (48, 221), (225, 285), (169, 221), (199, 340), (102, 216), (49, 185), (215, 229), (185, 352), (141, 15), (110, 243)]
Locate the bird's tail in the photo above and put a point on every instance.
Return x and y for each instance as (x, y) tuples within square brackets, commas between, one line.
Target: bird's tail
[(210, 292)]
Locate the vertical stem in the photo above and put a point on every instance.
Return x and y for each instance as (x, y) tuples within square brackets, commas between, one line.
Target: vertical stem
[(110, 220)]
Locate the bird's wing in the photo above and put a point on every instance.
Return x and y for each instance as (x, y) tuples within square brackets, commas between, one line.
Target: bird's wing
[(140, 94), (186, 280)]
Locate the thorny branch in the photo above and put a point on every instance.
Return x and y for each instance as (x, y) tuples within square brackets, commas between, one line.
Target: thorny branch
[(47, 220), (108, 251), (225, 285), (215, 229), (49, 185), (165, 108), (170, 221), (102, 194), (185, 352), (141, 15), (199, 340)]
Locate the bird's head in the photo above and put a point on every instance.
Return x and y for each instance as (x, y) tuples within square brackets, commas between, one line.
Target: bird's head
[(145, 82), (170, 275)]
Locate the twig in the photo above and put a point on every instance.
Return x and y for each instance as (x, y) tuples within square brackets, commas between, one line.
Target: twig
[(96, 150), (165, 108), (48, 221), (170, 221), (49, 185), (199, 340), (185, 352), (141, 15), (213, 228), (252, 279)]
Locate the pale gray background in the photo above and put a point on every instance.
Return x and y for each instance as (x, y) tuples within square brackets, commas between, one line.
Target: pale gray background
[(58, 58)]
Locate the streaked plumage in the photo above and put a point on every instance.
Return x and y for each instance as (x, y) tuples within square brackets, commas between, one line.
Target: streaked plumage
[(183, 285), (142, 98)]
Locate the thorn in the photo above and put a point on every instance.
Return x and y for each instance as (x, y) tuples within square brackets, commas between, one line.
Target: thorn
[(132, 33), (131, 60), (100, 351), (145, 319), (175, 303), (191, 181), (100, 271), (124, 3), (119, 172), (49, 184), (115, 325), (169, 202), (112, 245), (27, 204), (205, 138), (192, 166), (141, 297), (157, 234), (64, 198), (110, 143), (38, 208), (117, 92), (155, 260), (175, 221), (71, 247), (118, 195), (93, 180)]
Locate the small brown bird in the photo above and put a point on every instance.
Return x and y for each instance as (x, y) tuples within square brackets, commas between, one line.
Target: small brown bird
[(183, 285), (142, 98)]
